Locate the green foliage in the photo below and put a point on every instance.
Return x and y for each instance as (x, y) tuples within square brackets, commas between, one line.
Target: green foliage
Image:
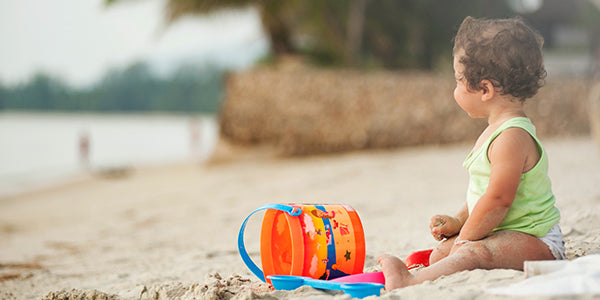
[(42, 92), (133, 89), (395, 34), (392, 34), (3, 96)]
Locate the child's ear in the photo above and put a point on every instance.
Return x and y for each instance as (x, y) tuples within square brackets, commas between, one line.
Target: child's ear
[(488, 91)]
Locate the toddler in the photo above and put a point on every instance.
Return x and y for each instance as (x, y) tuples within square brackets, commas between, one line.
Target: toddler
[(509, 215)]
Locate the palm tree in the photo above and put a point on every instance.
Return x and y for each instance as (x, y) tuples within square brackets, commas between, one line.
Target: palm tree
[(276, 16), (391, 34)]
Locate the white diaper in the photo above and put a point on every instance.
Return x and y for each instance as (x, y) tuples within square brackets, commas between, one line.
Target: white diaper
[(555, 242)]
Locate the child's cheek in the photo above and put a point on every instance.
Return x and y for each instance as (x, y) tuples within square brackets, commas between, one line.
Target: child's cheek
[(456, 93)]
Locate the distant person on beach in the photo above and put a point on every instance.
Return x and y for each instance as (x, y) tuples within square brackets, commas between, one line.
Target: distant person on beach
[(509, 215), (84, 149)]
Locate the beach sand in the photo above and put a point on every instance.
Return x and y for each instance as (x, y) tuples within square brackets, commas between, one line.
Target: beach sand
[(170, 232)]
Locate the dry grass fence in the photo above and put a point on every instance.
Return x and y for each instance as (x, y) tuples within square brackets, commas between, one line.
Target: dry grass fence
[(594, 101), (301, 111)]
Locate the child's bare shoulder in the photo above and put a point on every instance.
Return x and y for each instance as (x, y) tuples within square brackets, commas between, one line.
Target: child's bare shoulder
[(516, 134), (516, 143)]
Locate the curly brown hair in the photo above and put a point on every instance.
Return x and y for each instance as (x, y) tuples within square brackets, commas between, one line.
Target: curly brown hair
[(506, 52)]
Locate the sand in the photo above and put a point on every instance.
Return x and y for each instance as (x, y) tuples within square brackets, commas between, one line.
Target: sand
[(170, 232)]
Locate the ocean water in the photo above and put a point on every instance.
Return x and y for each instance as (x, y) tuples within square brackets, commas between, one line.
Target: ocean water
[(41, 148)]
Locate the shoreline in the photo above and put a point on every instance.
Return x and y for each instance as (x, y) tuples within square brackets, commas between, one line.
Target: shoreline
[(44, 149), (115, 172)]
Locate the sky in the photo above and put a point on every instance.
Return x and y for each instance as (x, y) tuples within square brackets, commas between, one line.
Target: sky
[(78, 41)]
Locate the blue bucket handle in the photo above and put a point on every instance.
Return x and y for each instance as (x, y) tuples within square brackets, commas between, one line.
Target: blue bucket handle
[(291, 210)]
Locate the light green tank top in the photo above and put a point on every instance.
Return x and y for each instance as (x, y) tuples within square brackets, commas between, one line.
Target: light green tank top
[(533, 210)]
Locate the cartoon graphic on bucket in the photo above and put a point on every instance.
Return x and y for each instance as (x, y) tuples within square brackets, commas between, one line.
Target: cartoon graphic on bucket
[(317, 241)]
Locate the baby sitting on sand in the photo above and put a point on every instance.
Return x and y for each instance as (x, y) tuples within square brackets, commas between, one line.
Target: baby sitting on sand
[(509, 216)]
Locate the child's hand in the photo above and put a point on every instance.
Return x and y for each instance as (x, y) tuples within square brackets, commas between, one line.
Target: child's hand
[(443, 226)]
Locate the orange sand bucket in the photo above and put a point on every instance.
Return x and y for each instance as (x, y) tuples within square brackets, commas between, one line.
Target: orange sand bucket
[(318, 241)]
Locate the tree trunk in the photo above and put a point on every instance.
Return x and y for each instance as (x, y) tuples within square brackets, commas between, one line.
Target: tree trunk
[(278, 31), (355, 26)]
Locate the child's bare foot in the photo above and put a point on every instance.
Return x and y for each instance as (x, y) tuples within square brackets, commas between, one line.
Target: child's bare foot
[(395, 272)]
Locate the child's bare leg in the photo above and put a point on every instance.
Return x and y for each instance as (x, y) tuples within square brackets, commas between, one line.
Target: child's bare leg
[(441, 250), (502, 250)]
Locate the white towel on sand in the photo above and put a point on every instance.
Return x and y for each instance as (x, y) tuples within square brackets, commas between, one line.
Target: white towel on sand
[(576, 277)]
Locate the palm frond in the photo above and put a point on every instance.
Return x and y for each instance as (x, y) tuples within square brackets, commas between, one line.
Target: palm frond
[(176, 9)]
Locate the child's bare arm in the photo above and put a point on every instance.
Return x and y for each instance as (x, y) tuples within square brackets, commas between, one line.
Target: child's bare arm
[(507, 154)]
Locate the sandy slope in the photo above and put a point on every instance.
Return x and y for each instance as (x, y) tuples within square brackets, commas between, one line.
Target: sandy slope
[(170, 233)]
